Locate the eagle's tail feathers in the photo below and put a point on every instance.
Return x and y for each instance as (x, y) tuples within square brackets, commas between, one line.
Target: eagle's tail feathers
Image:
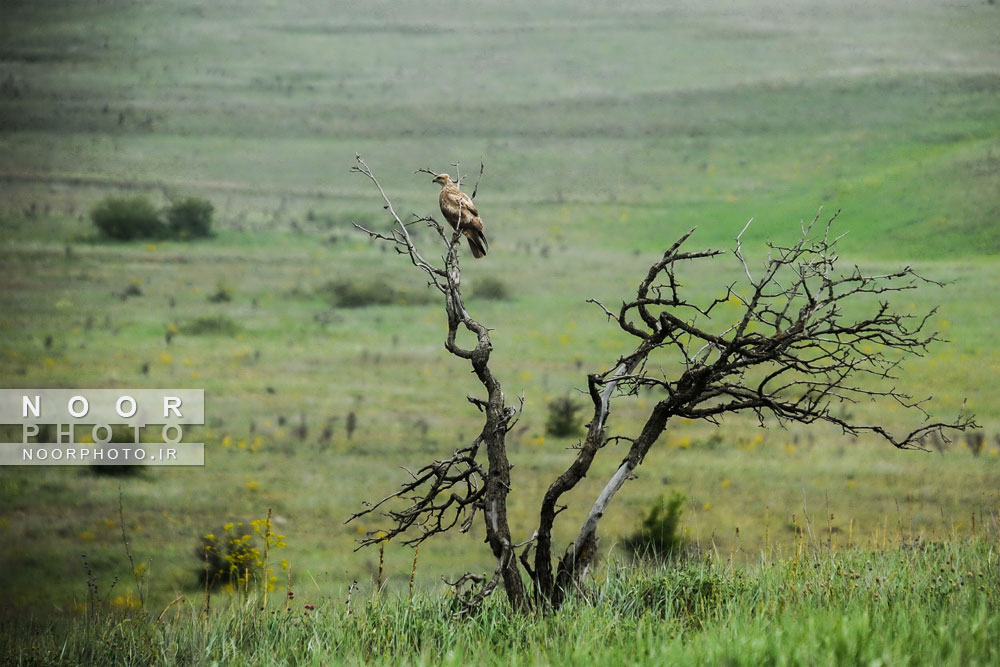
[(477, 242)]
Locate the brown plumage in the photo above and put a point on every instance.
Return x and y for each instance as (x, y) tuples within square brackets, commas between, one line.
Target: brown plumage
[(458, 208)]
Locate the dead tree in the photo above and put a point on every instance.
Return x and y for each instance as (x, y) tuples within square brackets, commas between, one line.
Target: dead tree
[(448, 492), (789, 355)]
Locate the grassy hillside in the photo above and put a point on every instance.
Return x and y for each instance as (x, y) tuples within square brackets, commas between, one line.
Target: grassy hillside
[(606, 133), (626, 123)]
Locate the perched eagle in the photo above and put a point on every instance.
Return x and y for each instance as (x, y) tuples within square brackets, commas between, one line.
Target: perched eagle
[(458, 207)]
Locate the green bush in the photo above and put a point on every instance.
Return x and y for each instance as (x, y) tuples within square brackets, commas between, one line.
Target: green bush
[(190, 218), (227, 556), (658, 536), (378, 292), (216, 324), (223, 293), (131, 218), (491, 289), (563, 421), (347, 294), (120, 434), (128, 218)]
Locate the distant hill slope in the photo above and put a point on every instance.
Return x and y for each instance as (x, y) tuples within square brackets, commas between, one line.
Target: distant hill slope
[(616, 124)]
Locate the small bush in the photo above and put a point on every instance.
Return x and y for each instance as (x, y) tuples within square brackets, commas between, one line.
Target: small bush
[(216, 324), (975, 442), (131, 218), (228, 556), (378, 292), (190, 218), (128, 218), (563, 421), (132, 289), (120, 434), (223, 293), (658, 536), (240, 555), (347, 294), (491, 289)]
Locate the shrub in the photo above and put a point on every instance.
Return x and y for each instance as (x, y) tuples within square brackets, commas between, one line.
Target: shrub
[(347, 294), (128, 218), (228, 556), (121, 434), (975, 442), (491, 289), (223, 293), (190, 218), (378, 292), (563, 421), (240, 555), (658, 536), (216, 324), (132, 289)]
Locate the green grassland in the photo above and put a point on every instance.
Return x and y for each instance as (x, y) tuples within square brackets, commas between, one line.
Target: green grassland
[(606, 133), (931, 604)]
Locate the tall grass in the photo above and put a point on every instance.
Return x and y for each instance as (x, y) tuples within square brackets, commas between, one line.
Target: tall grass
[(928, 603)]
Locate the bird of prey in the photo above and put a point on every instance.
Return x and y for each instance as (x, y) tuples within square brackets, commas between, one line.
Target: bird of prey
[(459, 210)]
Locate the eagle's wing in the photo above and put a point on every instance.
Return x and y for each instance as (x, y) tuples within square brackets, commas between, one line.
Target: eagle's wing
[(458, 206), (467, 204), (455, 203)]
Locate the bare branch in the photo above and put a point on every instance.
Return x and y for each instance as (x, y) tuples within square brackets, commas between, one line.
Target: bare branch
[(482, 168)]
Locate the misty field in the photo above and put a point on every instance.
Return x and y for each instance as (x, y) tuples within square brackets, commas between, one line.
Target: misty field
[(606, 133)]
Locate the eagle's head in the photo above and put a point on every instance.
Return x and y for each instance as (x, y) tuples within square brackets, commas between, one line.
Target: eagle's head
[(442, 179)]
